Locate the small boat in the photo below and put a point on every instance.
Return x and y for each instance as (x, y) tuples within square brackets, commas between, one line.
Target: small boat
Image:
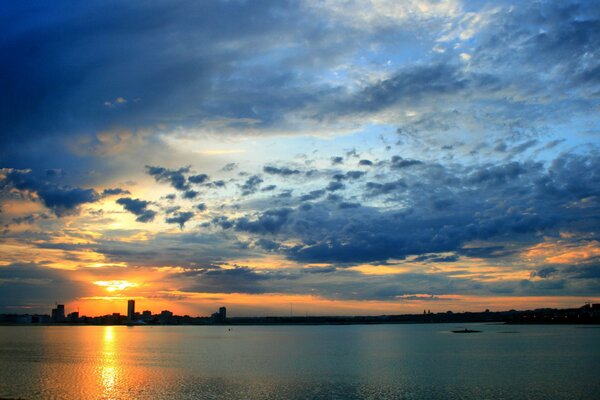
[(466, 331)]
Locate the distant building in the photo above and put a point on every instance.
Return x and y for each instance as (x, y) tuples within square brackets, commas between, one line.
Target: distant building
[(220, 316), (58, 313), (130, 310), (73, 317), (146, 315), (165, 316)]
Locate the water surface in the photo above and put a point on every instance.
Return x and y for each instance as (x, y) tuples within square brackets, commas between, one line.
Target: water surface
[(299, 362)]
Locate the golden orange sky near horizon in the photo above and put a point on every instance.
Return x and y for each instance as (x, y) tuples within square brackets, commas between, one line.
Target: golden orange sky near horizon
[(241, 304)]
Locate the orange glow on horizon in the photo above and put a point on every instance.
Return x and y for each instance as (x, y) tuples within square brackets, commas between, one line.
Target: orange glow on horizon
[(270, 304)]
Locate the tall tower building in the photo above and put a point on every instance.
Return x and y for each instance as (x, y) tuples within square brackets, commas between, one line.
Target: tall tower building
[(222, 314), (130, 309)]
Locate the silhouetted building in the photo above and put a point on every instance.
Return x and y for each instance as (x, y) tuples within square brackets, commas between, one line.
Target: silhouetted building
[(73, 317), (220, 316), (58, 313), (165, 316), (146, 315), (130, 310)]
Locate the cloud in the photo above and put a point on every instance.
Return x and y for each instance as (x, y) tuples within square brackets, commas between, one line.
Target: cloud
[(114, 191), (138, 207), (62, 200), (198, 179), (398, 162), (251, 185), (284, 171), (313, 195), (378, 189), (269, 188), (175, 177), (269, 222), (436, 210), (337, 160), (349, 175), (180, 218), (190, 194), (333, 186)]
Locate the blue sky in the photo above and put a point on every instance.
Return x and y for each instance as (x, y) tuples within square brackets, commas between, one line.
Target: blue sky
[(348, 157)]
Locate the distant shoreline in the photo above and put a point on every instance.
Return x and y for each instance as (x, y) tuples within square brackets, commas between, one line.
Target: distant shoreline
[(587, 315)]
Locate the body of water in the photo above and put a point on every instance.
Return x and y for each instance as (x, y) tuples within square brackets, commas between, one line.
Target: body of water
[(300, 362)]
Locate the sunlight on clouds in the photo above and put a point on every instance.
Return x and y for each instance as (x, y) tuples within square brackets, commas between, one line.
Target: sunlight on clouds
[(561, 252), (15, 252), (116, 286), (21, 207)]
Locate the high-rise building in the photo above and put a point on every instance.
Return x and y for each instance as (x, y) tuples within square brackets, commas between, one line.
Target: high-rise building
[(222, 314), (58, 313), (130, 310)]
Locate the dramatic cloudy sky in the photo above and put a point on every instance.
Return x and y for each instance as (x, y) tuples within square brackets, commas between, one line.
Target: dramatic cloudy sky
[(328, 157)]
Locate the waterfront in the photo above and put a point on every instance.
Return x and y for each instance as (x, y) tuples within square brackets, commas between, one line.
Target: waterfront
[(420, 361)]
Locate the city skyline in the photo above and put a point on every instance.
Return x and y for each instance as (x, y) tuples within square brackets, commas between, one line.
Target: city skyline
[(375, 157)]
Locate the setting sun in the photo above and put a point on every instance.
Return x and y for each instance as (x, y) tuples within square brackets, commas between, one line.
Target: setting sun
[(116, 286)]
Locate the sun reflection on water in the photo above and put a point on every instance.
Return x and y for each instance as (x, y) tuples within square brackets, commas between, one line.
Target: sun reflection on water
[(109, 371)]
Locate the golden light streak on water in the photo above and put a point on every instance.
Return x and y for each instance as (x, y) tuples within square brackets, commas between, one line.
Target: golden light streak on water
[(109, 371)]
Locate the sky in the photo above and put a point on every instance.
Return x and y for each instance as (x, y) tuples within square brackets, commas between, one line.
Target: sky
[(304, 157)]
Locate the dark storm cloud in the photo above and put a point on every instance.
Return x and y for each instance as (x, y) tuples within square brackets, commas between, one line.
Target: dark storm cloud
[(62, 200), (180, 218), (175, 177), (139, 208), (284, 171)]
